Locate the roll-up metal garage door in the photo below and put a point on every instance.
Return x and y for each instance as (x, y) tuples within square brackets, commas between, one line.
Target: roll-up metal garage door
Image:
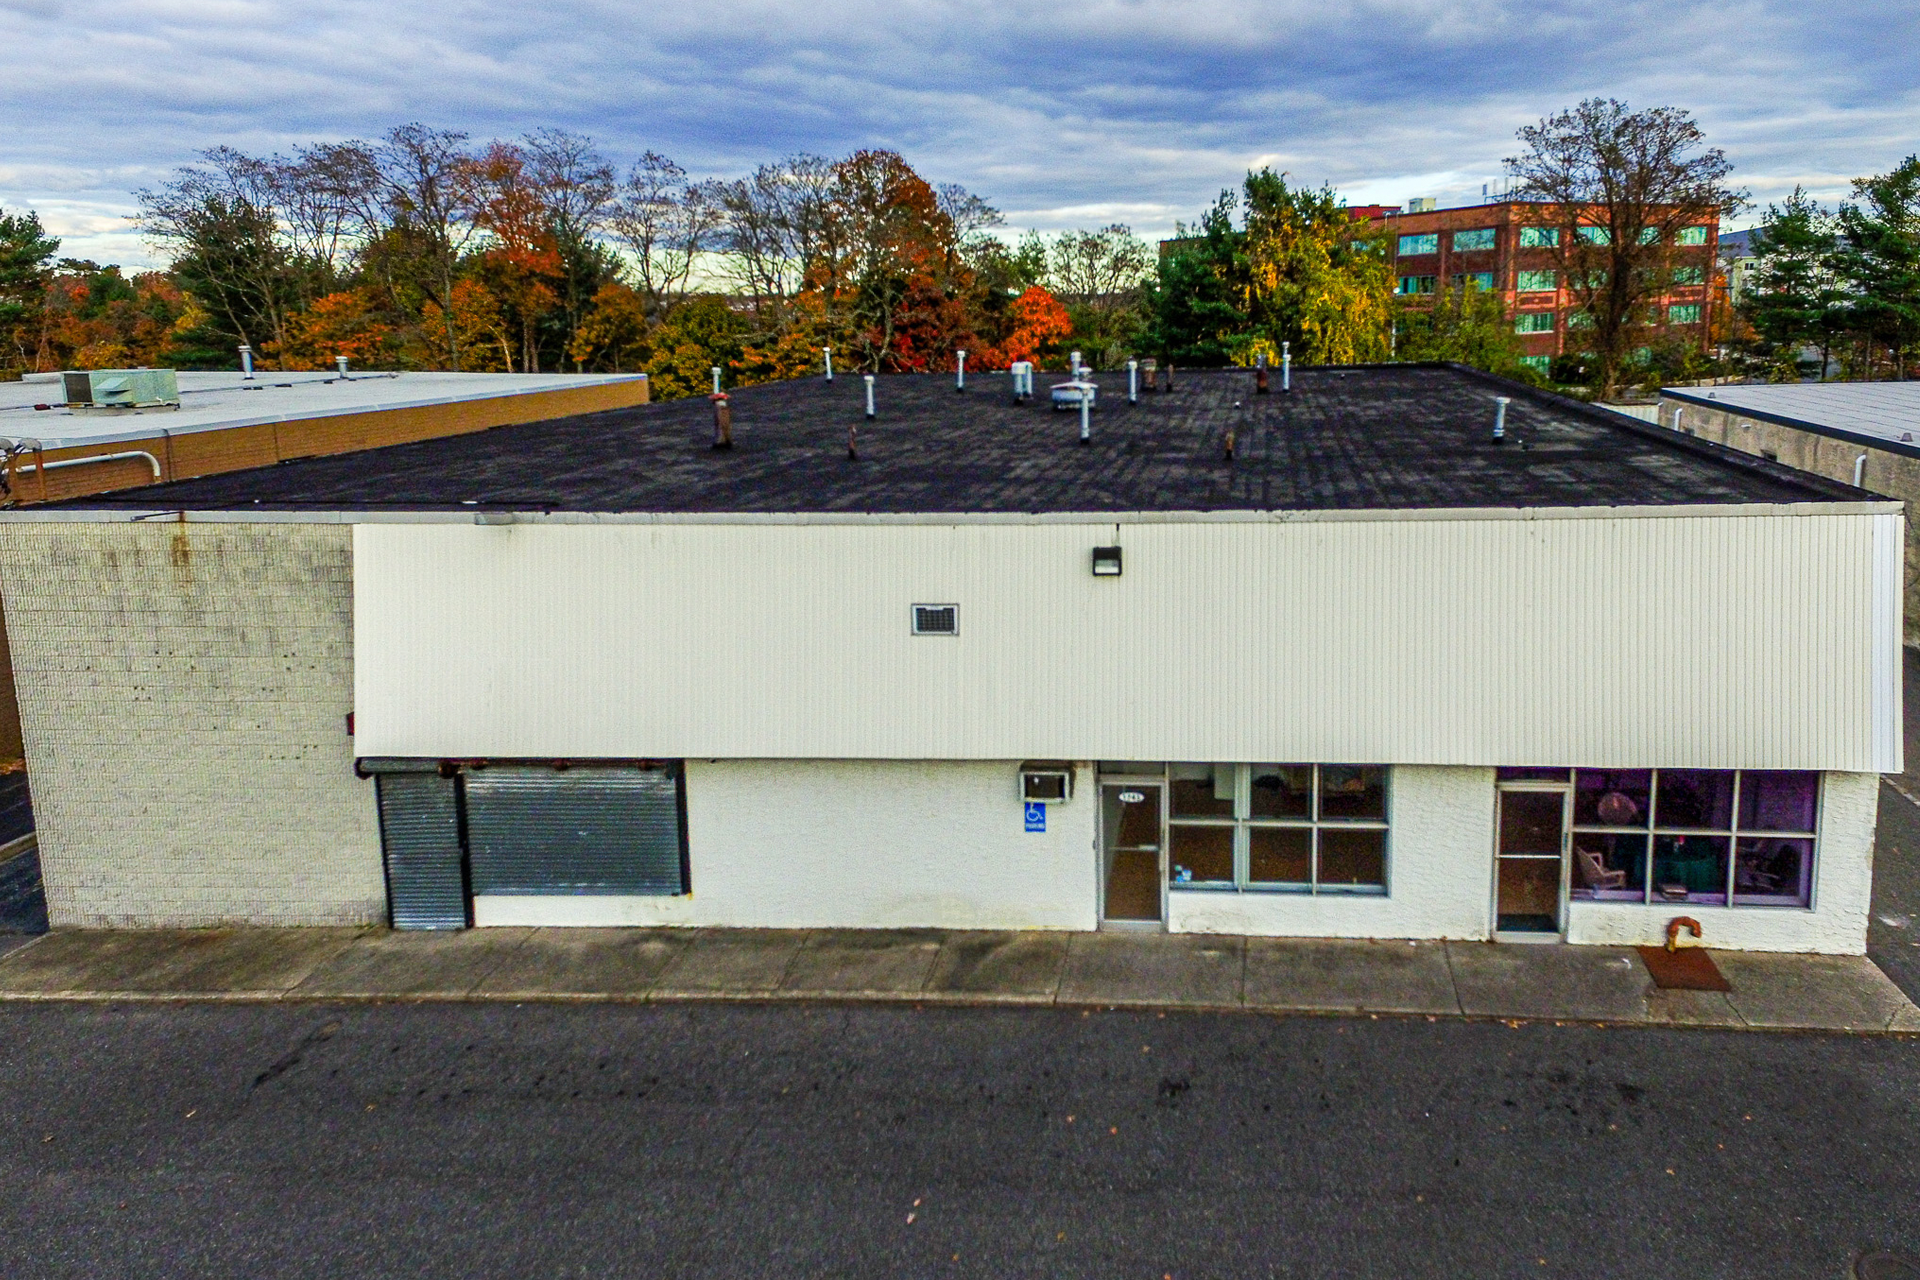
[(420, 835), (535, 829)]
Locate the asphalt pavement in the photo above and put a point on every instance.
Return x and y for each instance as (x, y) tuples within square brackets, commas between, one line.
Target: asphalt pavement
[(865, 1140)]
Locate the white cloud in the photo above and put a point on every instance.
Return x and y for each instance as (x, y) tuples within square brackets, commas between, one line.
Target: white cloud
[(1138, 110)]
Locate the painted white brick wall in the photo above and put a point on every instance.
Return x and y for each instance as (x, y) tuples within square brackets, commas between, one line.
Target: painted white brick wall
[(860, 844), (1439, 873), (183, 693)]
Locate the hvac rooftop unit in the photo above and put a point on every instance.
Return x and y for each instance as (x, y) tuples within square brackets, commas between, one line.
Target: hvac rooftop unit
[(95, 391), (1068, 395)]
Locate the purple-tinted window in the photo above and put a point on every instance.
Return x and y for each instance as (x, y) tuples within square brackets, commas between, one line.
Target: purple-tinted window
[(1700, 798), (1777, 800), (1772, 872), (1673, 835), (1612, 797)]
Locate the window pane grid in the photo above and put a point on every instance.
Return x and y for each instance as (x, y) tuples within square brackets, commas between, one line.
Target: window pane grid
[(1723, 863), (1295, 828)]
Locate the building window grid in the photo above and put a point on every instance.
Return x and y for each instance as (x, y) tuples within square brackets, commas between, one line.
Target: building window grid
[(1733, 833), (1243, 824)]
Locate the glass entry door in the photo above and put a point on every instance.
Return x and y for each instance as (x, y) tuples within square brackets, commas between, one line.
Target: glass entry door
[(1133, 869), (1529, 894)]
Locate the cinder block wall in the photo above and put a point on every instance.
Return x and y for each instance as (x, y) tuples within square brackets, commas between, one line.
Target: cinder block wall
[(1893, 474), (183, 696)]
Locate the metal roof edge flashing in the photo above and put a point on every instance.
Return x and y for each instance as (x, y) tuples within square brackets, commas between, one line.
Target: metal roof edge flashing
[(1799, 424), (1667, 437), (1867, 504)]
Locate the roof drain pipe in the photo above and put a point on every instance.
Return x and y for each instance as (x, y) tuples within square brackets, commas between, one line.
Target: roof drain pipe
[(1133, 382), (1860, 472), (1286, 366), (828, 353), (959, 371), (1500, 404), (869, 380), (1086, 420)]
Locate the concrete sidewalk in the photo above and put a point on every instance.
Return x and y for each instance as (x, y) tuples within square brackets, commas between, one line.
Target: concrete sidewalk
[(1194, 971)]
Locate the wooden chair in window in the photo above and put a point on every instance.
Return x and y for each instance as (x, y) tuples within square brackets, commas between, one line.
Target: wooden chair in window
[(1594, 873)]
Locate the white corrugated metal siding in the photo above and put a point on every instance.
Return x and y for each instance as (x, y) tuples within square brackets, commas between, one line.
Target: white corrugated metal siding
[(1754, 640)]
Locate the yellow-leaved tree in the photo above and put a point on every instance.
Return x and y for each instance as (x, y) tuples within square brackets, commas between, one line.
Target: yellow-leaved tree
[(1316, 277)]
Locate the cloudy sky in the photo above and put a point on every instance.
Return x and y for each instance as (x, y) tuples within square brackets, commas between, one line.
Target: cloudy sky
[(1136, 111)]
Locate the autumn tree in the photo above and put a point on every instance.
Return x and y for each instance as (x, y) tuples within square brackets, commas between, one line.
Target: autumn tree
[(1041, 326), (1617, 187), (226, 223), (1316, 277)]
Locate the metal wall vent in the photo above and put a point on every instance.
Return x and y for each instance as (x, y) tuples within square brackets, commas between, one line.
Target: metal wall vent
[(936, 619)]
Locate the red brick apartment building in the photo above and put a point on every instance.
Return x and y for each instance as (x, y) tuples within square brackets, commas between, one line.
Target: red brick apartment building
[(1502, 246)]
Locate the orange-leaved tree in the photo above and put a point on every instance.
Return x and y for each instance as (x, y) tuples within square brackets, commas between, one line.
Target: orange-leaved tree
[(1040, 325), (521, 265)]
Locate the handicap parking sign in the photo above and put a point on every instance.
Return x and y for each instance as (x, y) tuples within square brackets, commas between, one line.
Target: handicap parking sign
[(1036, 815)]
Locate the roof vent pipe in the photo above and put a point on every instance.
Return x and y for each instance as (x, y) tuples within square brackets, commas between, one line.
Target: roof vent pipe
[(722, 421), (1133, 382), (246, 363), (716, 379), (1086, 420), (869, 380), (1022, 371), (959, 371), (1169, 375), (1860, 472), (853, 447), (1500, 404), (1260, 374), (828, 353), (340, 363), (1286, 366), (1076, 366)]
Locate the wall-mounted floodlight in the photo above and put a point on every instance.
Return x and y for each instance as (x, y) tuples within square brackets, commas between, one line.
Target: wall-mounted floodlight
[(1106, 562)]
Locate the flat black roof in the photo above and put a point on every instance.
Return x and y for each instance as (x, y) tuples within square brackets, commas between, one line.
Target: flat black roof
[(1365, 437)]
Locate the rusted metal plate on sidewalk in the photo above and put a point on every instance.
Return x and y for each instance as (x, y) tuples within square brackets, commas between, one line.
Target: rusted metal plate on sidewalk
[(1686, 969)]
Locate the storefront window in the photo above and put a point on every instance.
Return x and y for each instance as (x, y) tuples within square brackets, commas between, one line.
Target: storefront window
[(1305, 827), (1703, 836)]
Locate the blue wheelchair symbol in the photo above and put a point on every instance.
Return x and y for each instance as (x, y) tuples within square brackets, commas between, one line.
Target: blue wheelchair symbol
[(1036, 815)]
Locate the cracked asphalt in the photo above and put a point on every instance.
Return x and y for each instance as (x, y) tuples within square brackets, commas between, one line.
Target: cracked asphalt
[(743, 1140)]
